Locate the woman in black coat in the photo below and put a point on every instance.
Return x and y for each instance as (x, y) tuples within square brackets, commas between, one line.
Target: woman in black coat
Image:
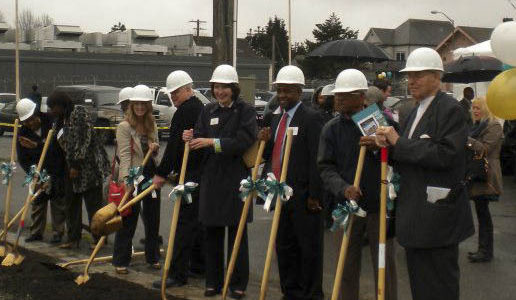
[(225, 129)]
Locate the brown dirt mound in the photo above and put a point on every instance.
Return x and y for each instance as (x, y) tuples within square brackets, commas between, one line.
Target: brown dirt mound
[(38, 278)]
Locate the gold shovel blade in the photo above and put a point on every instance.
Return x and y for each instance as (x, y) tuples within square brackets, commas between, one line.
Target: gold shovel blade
[(82, 279), (3, 251), (19, 259), (9, 260)]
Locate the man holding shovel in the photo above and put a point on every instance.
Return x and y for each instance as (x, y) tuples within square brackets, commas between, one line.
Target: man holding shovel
[(337, 160), (189, 107), (432, 212), (299, 243), (29, 146)]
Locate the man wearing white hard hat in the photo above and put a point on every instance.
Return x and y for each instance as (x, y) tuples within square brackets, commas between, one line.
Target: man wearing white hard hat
[(123, 97), (180, 87), (299, 244), (29, 146), (223, 132), (339, 147), (432, 214)]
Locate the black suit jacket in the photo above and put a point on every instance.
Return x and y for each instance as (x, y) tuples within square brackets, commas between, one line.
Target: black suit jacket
[(302, 175), (434, 156)]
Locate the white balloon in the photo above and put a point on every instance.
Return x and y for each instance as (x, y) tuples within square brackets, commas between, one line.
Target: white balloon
[(503, 42)]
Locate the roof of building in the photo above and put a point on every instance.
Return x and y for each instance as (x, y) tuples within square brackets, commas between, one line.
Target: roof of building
[(414, 32), (68, 30), (474, 34), (145, 33), (3, 27)]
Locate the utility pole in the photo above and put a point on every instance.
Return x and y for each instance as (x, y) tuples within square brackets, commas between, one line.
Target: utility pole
[(198, 26), (222, 32)]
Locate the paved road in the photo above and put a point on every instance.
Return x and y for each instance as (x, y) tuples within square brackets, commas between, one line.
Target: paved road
[(493, 280)]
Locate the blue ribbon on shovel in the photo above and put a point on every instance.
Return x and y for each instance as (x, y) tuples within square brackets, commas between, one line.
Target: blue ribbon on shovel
[(6, 170), (247, 186), (134, 177), (342, 212), (275, 189), (183, 190)]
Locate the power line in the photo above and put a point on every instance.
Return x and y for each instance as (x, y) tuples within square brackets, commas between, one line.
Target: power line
[(198, 28)]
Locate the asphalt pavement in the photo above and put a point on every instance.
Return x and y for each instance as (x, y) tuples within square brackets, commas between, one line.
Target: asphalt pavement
[(494, 280)]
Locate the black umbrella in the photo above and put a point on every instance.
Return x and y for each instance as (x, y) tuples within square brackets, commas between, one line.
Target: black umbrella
[(352, 49), (472, 69)]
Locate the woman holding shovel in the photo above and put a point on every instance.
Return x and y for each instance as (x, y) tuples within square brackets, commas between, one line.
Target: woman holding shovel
[(135, 136), (225, 130), (86, 160)]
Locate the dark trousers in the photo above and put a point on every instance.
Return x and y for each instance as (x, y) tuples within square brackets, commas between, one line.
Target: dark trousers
[(93, 202), (485, 226), (434, 273), (350, 285), (214, 244), (189, 231), (299, 246), (57, 209), (124, 237)]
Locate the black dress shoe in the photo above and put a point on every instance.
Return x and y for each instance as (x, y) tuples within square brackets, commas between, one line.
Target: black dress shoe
[(236, 294), (480, 257), (56, 238), (168, 283), (211, 292), (33, 238)]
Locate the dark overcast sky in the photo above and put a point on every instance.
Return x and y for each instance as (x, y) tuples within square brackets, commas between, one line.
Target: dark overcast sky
[(170, 17)]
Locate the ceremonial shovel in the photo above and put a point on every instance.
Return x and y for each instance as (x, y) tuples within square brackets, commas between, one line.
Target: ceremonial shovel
[(83, 278), (3, 249), (15, 257), (275, 220), (347, 233), (243, 220), (173, 224), (383, 226)]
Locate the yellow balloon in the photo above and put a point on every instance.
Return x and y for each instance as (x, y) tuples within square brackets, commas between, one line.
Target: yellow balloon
[(501, 95)]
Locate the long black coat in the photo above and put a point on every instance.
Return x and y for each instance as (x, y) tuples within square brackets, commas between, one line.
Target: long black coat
[(220, 204), (54, 162), (302, 174), (434, 156)]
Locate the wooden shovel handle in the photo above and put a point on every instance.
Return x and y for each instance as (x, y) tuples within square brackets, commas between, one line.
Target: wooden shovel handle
[(275, 220), (138, 198), (383, 226), (243, 221), (347, 233), (129, 190), (7, 206), (99, 245), (173, 224)]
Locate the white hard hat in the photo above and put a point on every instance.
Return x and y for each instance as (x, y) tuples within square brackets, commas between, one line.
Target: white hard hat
[(141, 93), (423, 59), (327, 90), (290, 75), (350, 80), (125, 94), (224, 74), (177, 79), (25, 108)]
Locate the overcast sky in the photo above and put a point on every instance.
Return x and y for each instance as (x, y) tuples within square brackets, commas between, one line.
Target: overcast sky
[(170, 17)]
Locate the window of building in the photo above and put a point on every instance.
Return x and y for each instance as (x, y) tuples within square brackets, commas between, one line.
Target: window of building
[(400, 56)]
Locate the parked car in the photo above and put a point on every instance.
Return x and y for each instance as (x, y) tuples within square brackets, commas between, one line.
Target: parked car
[(6, 98), (7, 115), (264, 95)]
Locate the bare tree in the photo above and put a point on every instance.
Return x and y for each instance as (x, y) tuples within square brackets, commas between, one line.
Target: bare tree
[(29, 22)]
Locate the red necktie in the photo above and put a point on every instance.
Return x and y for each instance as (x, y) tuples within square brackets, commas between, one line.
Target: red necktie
[(278, 147)]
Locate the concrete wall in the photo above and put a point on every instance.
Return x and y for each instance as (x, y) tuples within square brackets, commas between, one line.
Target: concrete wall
[(49, 69)]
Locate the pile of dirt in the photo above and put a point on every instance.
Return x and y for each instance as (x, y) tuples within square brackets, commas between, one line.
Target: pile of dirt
[(38, 278)]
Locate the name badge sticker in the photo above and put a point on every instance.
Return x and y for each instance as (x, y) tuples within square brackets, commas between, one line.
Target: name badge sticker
[(294, 130), (214, 121)]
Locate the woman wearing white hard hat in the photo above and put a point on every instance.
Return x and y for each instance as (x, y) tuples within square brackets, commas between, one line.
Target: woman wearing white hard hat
[(135, 136), (123, 97), (224, 131), (29, 146)]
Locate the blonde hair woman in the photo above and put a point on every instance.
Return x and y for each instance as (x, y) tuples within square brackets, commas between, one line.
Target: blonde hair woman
[(486, 136), (135, 136)]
